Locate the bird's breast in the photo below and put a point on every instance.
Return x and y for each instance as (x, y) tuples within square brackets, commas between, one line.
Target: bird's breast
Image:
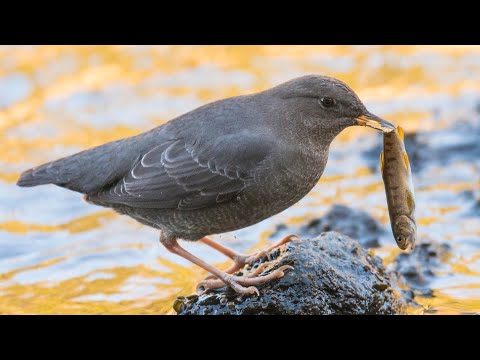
[(290, 179)]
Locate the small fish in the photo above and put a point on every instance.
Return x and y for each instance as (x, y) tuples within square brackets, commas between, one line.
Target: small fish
[(397, 177)]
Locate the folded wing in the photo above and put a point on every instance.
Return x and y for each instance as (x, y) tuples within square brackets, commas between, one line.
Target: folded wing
[(188, 175)]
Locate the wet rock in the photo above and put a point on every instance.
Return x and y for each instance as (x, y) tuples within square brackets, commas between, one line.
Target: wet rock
[(417, 268), (332, 274), (457, 143), (472, 196), (476, 205), (355, 223)]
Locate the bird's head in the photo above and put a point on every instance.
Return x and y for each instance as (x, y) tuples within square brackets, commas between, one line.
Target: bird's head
[(325, 105)]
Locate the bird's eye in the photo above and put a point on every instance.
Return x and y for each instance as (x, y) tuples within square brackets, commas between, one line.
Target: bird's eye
[(400, 238), (327, 102)]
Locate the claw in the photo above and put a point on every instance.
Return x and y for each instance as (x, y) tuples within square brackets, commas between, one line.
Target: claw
[(240, 281), (244, 290), (269, 257), (259, 255), (281, 270), (200, 288), (258, 270), (253, 290)]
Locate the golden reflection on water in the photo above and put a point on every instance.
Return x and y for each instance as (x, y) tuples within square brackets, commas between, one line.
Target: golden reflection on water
[(62, 298), (78, 225), (46, 123)]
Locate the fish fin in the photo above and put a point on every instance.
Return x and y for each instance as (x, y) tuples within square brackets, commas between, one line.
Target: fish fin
[(381, 162), (410, 200), (401, 134), (405, 160)]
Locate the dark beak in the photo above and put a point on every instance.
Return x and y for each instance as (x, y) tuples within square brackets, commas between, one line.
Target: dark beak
[(375, 122)]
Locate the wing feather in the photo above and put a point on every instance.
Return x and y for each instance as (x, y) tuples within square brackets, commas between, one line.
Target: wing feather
[(188, 175)]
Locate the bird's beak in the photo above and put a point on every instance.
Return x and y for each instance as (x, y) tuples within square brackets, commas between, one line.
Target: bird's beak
[(375, 122)]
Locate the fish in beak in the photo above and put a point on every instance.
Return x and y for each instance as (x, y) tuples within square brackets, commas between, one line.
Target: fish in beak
[(375, 122)]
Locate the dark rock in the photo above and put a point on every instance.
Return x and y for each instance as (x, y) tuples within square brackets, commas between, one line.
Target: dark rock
[(476, 206), (332, 274), (357, 224), (474, 197), (417, 268)]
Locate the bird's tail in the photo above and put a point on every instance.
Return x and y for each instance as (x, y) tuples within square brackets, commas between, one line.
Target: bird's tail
[(85, 172), (39, 175)]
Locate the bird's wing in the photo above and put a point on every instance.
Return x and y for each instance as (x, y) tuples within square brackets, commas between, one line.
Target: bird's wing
[(189, 175)]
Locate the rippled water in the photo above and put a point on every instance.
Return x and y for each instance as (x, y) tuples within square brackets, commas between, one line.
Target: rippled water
[(60, 255)]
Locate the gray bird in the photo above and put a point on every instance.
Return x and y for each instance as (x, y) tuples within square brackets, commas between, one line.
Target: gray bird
[(224, 166)]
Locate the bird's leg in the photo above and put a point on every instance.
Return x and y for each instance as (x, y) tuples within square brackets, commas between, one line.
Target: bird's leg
[(214, 283), (235, 282), (240, 260), (249, 279)]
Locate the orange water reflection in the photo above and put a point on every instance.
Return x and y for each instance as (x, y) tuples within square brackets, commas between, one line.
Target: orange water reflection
[(80, 96)]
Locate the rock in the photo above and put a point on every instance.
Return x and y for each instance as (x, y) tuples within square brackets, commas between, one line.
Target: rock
[(476, 206), (417, 268), (357, 224), (332, 274), (471, 196)]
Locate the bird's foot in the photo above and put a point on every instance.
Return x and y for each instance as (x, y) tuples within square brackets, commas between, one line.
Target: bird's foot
[(252, 259), (244, 284), (241, 260), (241, 284)]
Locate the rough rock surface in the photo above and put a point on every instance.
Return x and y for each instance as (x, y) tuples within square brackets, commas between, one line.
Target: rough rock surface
[(475, 208), (332, 274), (357, 224), (417, 268)]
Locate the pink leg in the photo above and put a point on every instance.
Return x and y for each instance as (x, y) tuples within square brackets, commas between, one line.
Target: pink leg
[(249, 279), (216, 283), (241, 260), (235, 282)]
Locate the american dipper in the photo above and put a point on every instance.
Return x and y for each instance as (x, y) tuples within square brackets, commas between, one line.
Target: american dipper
[(223, 166)]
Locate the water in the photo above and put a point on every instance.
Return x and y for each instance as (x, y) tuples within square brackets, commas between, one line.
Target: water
[(59, 255)]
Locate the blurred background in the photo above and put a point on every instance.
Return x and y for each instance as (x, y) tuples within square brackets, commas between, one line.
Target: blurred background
[(60, 255)]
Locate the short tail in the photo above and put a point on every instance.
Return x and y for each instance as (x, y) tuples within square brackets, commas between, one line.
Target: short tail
[(37, 176), (85, 172)]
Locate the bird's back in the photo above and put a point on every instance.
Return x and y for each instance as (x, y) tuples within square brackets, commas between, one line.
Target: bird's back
[(94, 169)]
